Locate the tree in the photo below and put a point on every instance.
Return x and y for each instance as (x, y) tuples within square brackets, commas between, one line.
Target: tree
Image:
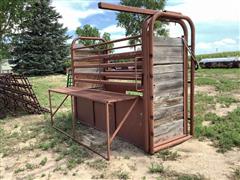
[(39, 47), (133, 22), (89, 31), (11, 12)]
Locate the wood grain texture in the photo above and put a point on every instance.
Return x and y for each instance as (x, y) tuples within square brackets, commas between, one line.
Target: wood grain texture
[(158, 69), (161, 112), (168, 88), (167, 41), (167, 55), (168, 130), (165, 77)]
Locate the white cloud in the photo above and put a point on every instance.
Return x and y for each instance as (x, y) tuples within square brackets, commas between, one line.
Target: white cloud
[(175, 30), (220, 45), (209, 10), (71, 16), (113, 29)]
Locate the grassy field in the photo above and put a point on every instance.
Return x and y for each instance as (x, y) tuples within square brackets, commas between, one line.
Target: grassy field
[(43, 83), (223, 131), (30, 148), (219, 55)]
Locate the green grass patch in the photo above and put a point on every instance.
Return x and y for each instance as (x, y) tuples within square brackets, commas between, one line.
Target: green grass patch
[(41, 84), (98, 164), (167, 155), (236, 174), (156, 168), (120, 174), (226, 100), (218, 55), (18, 170), (43, 161), (224, 80), (223, 131), (30, 166)]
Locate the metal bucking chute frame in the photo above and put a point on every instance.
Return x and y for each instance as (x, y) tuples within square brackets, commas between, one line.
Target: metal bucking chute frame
[(147, 47), (143, 62)]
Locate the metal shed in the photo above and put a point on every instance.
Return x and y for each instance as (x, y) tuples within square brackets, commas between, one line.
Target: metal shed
[(156, 68)]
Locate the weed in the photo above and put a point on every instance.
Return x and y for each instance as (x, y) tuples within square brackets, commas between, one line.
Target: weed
[(226, 100), (98, 164), (156, 168), (236, 174), (167, 155), (43, 162), (190, 177), (58, 168), (29, 166), (223, 131), (121, 174), (19, 170)]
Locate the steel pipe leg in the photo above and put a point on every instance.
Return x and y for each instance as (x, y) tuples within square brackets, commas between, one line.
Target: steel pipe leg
[(73, 119), (50, 106), (108, 131)]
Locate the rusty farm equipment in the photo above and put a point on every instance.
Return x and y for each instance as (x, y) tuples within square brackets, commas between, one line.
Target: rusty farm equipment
[(156, 70), (16, 94)]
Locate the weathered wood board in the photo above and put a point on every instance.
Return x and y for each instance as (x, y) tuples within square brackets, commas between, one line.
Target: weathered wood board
[(168, 88)]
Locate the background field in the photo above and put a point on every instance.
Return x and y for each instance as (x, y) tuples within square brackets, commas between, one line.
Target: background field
[(31, 149)]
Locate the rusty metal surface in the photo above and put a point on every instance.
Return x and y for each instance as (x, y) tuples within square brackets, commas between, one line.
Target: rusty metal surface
[(107, 107), (17, 94), (94, 94)]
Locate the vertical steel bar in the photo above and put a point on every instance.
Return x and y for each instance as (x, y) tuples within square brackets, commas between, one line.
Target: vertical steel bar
[(108, 130), (73, 118), (145, 49), (50, 106)]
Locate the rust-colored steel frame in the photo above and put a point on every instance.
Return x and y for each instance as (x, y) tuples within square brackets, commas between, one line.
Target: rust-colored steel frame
[(109, 138), (146, 54), (147, 47)]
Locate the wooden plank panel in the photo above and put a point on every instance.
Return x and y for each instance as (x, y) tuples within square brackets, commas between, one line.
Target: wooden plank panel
[(168, 130), (166, 41), (164, 52), (160, 101), (166, 77), (169, 118), (161, 112), (168, 92), (167, 60), (162, 86), (157, 69)]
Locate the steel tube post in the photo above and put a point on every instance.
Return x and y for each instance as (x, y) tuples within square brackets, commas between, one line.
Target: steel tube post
[(73, 118), (145, 48), (108, 130), (50, 106)]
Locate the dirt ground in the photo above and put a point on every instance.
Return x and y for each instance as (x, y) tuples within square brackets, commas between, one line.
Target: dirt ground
[(128, 162)]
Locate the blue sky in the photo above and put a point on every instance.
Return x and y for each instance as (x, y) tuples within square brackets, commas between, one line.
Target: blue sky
[(217, 21)]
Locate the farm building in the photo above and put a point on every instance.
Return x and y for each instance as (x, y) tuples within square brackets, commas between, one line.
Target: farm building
[(5, 67), (227, 62)]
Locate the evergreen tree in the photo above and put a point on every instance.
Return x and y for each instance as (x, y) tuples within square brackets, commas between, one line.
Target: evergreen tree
[(39, 47)]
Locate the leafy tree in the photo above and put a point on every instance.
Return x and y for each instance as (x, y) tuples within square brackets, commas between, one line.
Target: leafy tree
[(89, 31), (133, 22), (11, 12), (39, 47)]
